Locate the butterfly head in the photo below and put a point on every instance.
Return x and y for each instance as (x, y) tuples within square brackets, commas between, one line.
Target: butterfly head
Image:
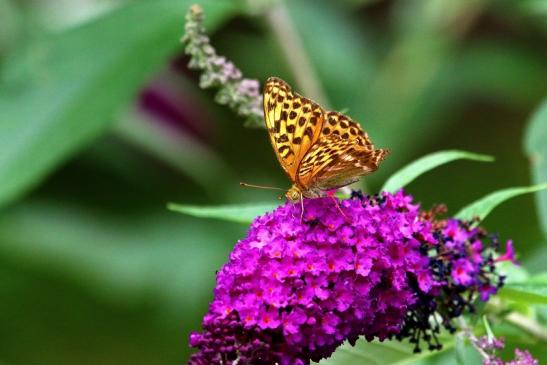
[(294, 194)]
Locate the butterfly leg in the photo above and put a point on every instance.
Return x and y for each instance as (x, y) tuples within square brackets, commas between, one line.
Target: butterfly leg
[(292, 211), (302, 206), (330, 194)]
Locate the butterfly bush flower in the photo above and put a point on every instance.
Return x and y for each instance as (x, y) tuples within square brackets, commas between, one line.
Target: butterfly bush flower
[(295, 289), (462, 263), (240, 94), (488, 347)]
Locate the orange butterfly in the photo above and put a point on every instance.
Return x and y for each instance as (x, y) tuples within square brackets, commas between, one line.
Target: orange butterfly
[(319, 150)]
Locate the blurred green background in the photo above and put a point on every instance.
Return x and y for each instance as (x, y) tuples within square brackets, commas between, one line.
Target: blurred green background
[(101, 125)]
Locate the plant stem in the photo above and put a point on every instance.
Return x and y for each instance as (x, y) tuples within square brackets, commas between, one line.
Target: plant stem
[(176, 150), (471, 336), (527, 324), (518, 320), (302, 68), (288, 39)]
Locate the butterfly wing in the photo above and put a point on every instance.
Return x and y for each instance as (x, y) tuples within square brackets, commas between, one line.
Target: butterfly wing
[(340, 125), (335, 162), (342, 155), (348, 169), (294, 124)]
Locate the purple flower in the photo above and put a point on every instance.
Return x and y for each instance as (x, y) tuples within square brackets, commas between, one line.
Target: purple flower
[(488, 347), (523, 357), (490, 344), (240, 94), (294, 290), (463, 272), (509, 254), (470, 257)]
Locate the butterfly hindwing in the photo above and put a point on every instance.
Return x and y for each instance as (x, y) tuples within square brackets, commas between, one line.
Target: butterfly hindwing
[(348, 171), (294, 123), (334, 162)]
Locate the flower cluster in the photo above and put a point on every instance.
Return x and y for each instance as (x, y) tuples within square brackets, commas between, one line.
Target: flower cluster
[(240, 94), (488, 346), (462, 262), (376, 266)]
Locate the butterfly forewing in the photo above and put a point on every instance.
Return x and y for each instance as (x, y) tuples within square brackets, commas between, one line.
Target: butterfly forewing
[(338, 124), (294, 123), (334, 162)]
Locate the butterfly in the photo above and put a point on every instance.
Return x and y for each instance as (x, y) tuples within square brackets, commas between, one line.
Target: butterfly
[(319, 150)]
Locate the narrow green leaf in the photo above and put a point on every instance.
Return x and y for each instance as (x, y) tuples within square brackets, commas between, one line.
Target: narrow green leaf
[(489, 331), (61, 92), (536, 149), (235, 213), (411, 171), (380, 353), (531, 291), (464, 352), (482, 207), (124, 259)]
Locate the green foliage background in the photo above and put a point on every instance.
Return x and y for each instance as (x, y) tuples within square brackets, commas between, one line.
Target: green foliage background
[(95, 270)]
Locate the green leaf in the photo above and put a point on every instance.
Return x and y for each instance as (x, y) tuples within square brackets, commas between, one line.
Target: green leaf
[(178, 151), (235, 213), (60, 93), (464, 352), (489, 332), (482, 207), (123, 258), (141, 256), (531, 291), (460, 349), (536, 149), (411, 171), (379, 353)]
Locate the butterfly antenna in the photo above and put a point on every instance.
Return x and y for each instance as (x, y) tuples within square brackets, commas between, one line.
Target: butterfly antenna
[(245, 185)]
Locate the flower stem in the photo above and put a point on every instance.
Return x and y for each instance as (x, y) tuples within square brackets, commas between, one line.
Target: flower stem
[(287, 36), (528, 325), (300, 64), (467, 332)]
